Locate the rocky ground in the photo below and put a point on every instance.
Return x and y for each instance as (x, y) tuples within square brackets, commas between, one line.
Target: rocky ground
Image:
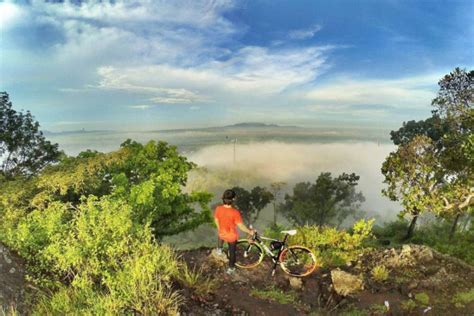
[(420, 281), (12, 281)]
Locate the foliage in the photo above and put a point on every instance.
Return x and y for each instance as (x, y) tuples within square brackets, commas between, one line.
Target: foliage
[(274, 231), (23, 148), (326, 201), (461, 299), (148, 177), (87, 226), (380, 273), (195, 279), (436, 236), (411, 174), (251, 203), (456, 93), (408, 305), (334, 247), (422, 298), (274, 294), (433, 170)]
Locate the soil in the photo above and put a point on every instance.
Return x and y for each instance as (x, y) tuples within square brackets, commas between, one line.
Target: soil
[(439, 278)]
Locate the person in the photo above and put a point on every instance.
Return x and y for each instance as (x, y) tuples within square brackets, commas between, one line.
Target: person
[(227, 219)]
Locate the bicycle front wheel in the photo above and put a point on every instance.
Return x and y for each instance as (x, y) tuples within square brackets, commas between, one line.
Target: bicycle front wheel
[(298, 261), (248, 254)]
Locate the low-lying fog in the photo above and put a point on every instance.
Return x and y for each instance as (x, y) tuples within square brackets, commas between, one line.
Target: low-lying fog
[(265, 162)]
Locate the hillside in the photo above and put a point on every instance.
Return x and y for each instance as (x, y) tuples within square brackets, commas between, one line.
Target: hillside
[(421, 281)]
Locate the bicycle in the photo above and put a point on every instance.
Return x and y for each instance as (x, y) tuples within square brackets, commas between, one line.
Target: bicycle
[(294, 260)]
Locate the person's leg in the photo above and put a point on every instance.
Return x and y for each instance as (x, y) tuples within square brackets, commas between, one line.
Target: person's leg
[(220, 245), (232, 249)]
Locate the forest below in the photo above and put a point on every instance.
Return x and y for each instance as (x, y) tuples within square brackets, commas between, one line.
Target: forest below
[(92, 230)]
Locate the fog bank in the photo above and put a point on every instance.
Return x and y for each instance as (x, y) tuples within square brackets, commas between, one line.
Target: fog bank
[(265, 162)]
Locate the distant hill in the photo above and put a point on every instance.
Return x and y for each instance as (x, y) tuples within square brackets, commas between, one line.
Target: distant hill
[(253, 125)]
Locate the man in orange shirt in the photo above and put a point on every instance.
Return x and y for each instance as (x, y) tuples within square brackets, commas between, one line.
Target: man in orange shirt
[(227, 220)]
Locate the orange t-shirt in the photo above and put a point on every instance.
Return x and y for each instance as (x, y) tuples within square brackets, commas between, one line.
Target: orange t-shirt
[(228, 218)]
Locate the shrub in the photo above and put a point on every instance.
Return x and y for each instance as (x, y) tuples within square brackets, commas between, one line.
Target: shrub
[(334, 247), (422, 298), (460, 299), (380, 273)]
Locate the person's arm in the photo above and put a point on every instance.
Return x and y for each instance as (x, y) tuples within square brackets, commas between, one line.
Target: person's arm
[(245, 229), (217, 223)]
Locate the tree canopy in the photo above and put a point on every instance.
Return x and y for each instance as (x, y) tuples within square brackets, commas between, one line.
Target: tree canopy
[(328, 201), (432, 169), (23, 148), (251, 203)]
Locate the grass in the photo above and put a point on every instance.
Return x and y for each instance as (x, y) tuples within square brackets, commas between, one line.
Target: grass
[(195, 279), (354, 312), (11, 311), (378, 309), (460, 299), (274, 294)]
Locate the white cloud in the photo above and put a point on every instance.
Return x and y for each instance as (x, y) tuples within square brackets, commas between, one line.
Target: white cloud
[(306, 33), (252, 70), (140, 106), (10, 14), (403, 93)]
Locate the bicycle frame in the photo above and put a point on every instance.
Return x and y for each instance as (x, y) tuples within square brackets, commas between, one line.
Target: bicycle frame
[(275, 258)]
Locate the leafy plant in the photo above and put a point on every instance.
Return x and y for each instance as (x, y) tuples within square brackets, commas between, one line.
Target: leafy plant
[(460, 299), (408, 305), (380, 273), (422, 298), (334, 247)]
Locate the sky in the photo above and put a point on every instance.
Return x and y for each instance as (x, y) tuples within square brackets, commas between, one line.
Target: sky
[(150, 64)]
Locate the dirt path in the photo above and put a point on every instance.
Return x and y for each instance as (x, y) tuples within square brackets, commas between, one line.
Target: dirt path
[(12, 280)]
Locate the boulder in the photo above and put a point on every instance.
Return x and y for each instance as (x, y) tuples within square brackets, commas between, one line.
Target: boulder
[(220, 259), (345, 283), (296, 283)]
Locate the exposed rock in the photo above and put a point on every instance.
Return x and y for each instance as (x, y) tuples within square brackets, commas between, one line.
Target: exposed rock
[(345, 283), (296, 283), (221, 259)]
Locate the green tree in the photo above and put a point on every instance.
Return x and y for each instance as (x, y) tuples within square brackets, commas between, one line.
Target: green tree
[(276, 188), (328, 201), (149, 178), (23, 148), (447, 170), (251, 203), (412, 173)]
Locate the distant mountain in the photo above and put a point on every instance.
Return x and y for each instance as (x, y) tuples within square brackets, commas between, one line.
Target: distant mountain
[(253, 125)]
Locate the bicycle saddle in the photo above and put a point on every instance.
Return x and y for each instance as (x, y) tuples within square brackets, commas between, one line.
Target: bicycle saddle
[(289, 232)]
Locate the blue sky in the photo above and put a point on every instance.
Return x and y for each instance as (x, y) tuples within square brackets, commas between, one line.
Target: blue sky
[(140, 65)]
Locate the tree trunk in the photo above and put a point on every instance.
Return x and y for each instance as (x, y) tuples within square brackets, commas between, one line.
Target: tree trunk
[(453, 228), (274, 215), (411, 228)]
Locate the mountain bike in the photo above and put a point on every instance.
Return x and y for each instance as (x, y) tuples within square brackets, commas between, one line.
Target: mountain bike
[(294, 260)]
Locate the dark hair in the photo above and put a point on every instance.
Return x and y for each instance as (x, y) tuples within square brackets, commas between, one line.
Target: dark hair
[(228, 197)]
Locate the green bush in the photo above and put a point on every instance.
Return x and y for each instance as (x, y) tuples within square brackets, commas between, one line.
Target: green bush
[(380, 273), (334, 247), (88, 227)]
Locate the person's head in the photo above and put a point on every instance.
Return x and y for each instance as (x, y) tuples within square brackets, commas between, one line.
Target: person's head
[(228, 197)]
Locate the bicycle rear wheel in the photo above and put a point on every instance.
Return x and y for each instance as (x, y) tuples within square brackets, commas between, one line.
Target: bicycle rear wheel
[(248, 255), (298, 261)]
